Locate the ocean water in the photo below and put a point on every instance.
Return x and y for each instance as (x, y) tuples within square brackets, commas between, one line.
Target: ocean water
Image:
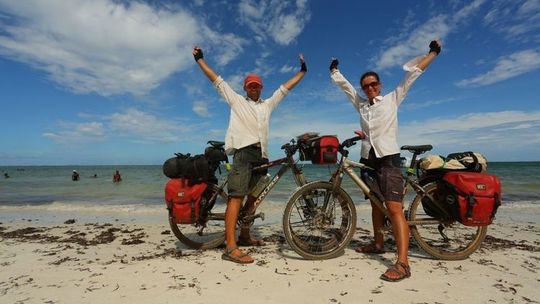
[(49, 189)]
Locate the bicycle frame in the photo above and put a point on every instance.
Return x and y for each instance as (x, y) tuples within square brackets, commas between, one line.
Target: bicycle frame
[(286, 163), (347, 166)]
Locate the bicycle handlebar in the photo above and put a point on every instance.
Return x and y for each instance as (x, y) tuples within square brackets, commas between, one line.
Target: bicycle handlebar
[(352, 141), (290, 148), (347, 143)]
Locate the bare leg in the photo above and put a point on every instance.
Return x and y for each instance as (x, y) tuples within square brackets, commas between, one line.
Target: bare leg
[(400, 229), (377, 216), (231, 217), (245, 234)]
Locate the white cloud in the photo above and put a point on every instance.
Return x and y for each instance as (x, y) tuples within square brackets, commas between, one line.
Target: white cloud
[(201, 108), (145, 127), (409, 106), (416, 42), (506, 67), (282, 21), (508, 130), (133, 124), (105, 46), (514, 20), (286, 69), (77, 132)]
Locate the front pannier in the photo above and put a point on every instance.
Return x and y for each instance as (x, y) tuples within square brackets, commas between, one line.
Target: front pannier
[(320, 150), (473, 197), (184, 200)]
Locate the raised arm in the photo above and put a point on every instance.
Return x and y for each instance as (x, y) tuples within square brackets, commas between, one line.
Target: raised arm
[(345, 85), (291, 83), (198, 55), (434, 50)]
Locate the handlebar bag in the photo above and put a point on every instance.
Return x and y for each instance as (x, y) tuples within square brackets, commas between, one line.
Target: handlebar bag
[(474, 197), (325, 150), (184, 200), (321, 150)]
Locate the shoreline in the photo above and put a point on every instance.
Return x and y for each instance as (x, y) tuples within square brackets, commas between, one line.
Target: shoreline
[(117, 261)]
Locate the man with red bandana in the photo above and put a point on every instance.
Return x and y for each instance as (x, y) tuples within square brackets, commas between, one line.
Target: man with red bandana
[(380, 151), (247, 140)]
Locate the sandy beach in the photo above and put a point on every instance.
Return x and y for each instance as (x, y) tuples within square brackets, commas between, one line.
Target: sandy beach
[(127, 262)]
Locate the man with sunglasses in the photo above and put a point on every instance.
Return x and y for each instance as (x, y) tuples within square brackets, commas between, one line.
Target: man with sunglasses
[(247, 138), (380, 151)]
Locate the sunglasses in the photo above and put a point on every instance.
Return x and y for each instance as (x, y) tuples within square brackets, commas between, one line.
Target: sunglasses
[(253, 86), (371, 84)]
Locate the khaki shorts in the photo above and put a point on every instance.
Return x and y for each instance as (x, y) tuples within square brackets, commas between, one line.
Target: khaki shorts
[(387, 175), (241, 178)]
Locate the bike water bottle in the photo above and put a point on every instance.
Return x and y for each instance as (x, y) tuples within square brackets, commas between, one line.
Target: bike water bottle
[(258, 188)]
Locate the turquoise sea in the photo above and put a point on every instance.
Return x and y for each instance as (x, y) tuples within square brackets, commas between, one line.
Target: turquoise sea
[(50, 189)]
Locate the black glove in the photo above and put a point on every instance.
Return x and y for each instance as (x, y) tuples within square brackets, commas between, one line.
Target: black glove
[(434, 47), (303, 67), (334, 64), (198, 55)]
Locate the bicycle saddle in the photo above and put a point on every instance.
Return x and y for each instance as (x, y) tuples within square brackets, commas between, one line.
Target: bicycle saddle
[(417, 149), (216, 144)]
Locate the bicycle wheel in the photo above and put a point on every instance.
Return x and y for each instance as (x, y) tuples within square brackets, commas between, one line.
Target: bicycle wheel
[(317, 222), (209, 232), (442, 239)]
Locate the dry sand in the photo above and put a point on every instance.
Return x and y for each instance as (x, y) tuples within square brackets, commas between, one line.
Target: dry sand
[(126, 262)]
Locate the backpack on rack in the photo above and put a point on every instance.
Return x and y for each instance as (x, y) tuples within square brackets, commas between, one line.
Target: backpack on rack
[(473, 197), (473, 161), (184, 200), (319, 149)]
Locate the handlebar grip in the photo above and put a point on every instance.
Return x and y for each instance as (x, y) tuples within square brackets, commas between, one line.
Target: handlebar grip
[(352, 141)]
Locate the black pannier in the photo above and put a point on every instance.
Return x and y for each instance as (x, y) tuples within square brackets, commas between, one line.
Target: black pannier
[(194, 168), (215, 155)]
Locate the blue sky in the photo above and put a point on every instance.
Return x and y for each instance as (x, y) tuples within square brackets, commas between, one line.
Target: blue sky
[(114, 82)]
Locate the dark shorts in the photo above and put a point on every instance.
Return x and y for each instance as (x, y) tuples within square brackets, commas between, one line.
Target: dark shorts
[(387, 175), (241, 178)]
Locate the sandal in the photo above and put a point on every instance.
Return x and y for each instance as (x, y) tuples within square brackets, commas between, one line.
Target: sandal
[(249, 242), (402, 274), (227, 256), (370, 249)]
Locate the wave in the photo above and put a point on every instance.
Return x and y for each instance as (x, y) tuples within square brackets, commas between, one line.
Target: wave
[(86, 207)]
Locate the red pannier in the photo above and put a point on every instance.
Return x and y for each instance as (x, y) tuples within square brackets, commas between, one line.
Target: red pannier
[(473, 197), (184, 201), (320, 150)]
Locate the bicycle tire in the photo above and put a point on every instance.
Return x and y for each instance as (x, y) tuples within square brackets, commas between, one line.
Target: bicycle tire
[(460, 242), (314, 233), (213, 233)]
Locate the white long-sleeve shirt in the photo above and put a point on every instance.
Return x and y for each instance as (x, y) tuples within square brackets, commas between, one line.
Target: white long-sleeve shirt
[(379, 121), (249, 120)]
